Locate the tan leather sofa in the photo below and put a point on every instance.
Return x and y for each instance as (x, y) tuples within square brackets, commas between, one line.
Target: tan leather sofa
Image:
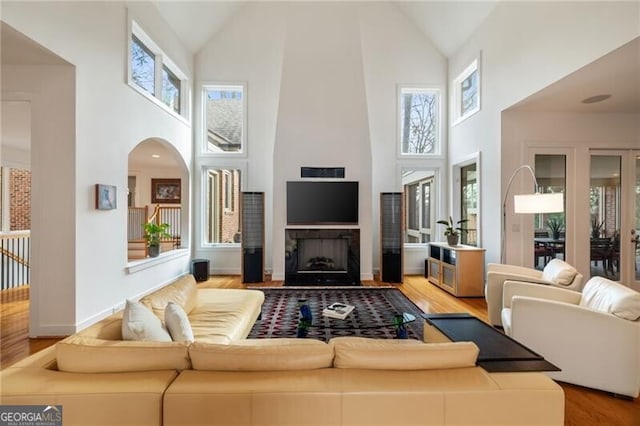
[(223, 378)]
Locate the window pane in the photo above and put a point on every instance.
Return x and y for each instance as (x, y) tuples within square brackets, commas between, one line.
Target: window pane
[(142, 65), (469, 93), (419, 118), (604, 206), (225, 118), (222, 218), (469, 203), (426, 206), (413, 201), (170, 89), (549, 236)]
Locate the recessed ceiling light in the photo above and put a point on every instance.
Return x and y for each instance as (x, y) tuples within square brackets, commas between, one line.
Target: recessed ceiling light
[(155, 155), (596, 98)]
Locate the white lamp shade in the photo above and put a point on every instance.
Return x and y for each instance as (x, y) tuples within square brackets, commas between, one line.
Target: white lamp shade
[(538, 203)]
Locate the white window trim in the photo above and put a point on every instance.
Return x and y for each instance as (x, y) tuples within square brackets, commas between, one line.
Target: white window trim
[(160, 60), (456, 92), (440, 132), (439, 197), (456, 189), (244, 149), (204, 169)]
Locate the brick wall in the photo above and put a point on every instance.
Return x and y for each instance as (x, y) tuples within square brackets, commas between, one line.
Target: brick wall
[(19, 200)]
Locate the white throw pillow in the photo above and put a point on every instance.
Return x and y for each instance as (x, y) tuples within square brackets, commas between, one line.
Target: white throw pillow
[(178, 323), (139, 323), (559, 272)]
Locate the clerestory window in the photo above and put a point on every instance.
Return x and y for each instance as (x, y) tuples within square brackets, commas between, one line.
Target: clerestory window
[(153, 74), (419, 121)]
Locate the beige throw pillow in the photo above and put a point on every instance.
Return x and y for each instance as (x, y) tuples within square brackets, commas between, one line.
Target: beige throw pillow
[(177, 323), (559, 272), (139, 323)]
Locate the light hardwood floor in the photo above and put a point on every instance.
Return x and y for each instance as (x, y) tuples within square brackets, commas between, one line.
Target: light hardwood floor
[(583, 406)]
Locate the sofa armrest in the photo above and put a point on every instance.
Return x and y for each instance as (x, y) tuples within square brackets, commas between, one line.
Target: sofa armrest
[(495, 281), (518, 288), (513, 269)]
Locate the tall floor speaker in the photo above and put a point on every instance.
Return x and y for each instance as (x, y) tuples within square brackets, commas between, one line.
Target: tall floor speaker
[(252, 227), (391, 226)]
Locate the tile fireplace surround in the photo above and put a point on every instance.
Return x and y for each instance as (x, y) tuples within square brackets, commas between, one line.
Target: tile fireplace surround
[(322, 256)]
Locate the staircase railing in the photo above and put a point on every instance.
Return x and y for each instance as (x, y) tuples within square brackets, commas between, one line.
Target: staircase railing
[(138, 216), (15, 251)]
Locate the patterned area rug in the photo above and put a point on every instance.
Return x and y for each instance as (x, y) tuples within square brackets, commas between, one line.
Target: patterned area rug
[(372, 317)]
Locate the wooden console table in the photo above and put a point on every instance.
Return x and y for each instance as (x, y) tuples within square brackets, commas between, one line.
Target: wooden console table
[(456, 269)]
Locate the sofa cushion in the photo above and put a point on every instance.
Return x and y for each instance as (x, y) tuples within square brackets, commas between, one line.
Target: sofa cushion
[(601, 294), (559, 272), (262, 355), (177, 323), (183, 291), (139, 323), (378, 354), (78, 354)]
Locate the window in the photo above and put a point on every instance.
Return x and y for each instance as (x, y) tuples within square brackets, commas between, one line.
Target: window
[(466, 93), (170, 89), (222, 222), (469, 203), (418, 188), (419, 121), (153, 74), (225, 107), (143, 63)]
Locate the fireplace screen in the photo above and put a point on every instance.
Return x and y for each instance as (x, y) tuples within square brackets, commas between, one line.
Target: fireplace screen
[(320, 254)]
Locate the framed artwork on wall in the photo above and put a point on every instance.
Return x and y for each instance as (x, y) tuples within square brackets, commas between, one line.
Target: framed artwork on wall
[(165, 191), (105, 197)]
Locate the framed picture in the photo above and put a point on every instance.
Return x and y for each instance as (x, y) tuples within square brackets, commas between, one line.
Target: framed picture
[(105, 197), (165, 191)]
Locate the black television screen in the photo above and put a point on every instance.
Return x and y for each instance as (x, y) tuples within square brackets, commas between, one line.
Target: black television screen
[(318, 203)]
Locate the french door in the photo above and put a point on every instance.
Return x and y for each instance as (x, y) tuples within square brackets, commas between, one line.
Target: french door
[(614, 215)]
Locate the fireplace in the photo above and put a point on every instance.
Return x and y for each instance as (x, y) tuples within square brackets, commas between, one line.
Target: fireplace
[(322, 256)]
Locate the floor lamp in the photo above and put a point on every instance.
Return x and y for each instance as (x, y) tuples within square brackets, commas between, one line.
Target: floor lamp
[(527, 204)]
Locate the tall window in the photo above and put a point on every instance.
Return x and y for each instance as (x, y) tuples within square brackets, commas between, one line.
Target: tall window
[(153, 73), (419, 209), (225, 118), (469, 203), (419, 121), (222, 216)]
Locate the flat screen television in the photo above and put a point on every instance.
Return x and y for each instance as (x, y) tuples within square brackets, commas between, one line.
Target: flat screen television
[(322, 203)]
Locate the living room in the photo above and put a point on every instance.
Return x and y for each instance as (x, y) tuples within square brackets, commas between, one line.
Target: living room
[(87, 120)]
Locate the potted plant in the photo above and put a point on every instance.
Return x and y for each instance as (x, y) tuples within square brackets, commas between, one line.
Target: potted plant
[(453, 230), (153, 233), (555, 225), (597, 228)]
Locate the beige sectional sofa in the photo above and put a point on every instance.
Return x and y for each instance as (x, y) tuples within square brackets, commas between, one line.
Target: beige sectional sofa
[(223, 378)]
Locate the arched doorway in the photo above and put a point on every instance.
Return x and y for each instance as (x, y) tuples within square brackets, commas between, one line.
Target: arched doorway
[(158, 183)]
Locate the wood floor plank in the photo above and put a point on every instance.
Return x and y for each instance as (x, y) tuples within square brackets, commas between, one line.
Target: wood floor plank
[(583, 407)]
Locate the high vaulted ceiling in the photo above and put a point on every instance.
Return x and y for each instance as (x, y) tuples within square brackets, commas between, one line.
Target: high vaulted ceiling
[(448, 24)]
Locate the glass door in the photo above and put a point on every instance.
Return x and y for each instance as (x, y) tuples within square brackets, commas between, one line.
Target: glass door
[(614, 216)]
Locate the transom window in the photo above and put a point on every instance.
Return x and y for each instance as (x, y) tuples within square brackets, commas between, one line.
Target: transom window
[(466, 93), (153, 74), (419, 121), (225, 118)]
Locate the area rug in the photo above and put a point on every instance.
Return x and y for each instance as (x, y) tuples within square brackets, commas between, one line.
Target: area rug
[(375, 308)]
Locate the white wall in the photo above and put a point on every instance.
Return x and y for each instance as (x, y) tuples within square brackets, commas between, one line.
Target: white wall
[(322, 81), (525, 47), (79, 274)]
